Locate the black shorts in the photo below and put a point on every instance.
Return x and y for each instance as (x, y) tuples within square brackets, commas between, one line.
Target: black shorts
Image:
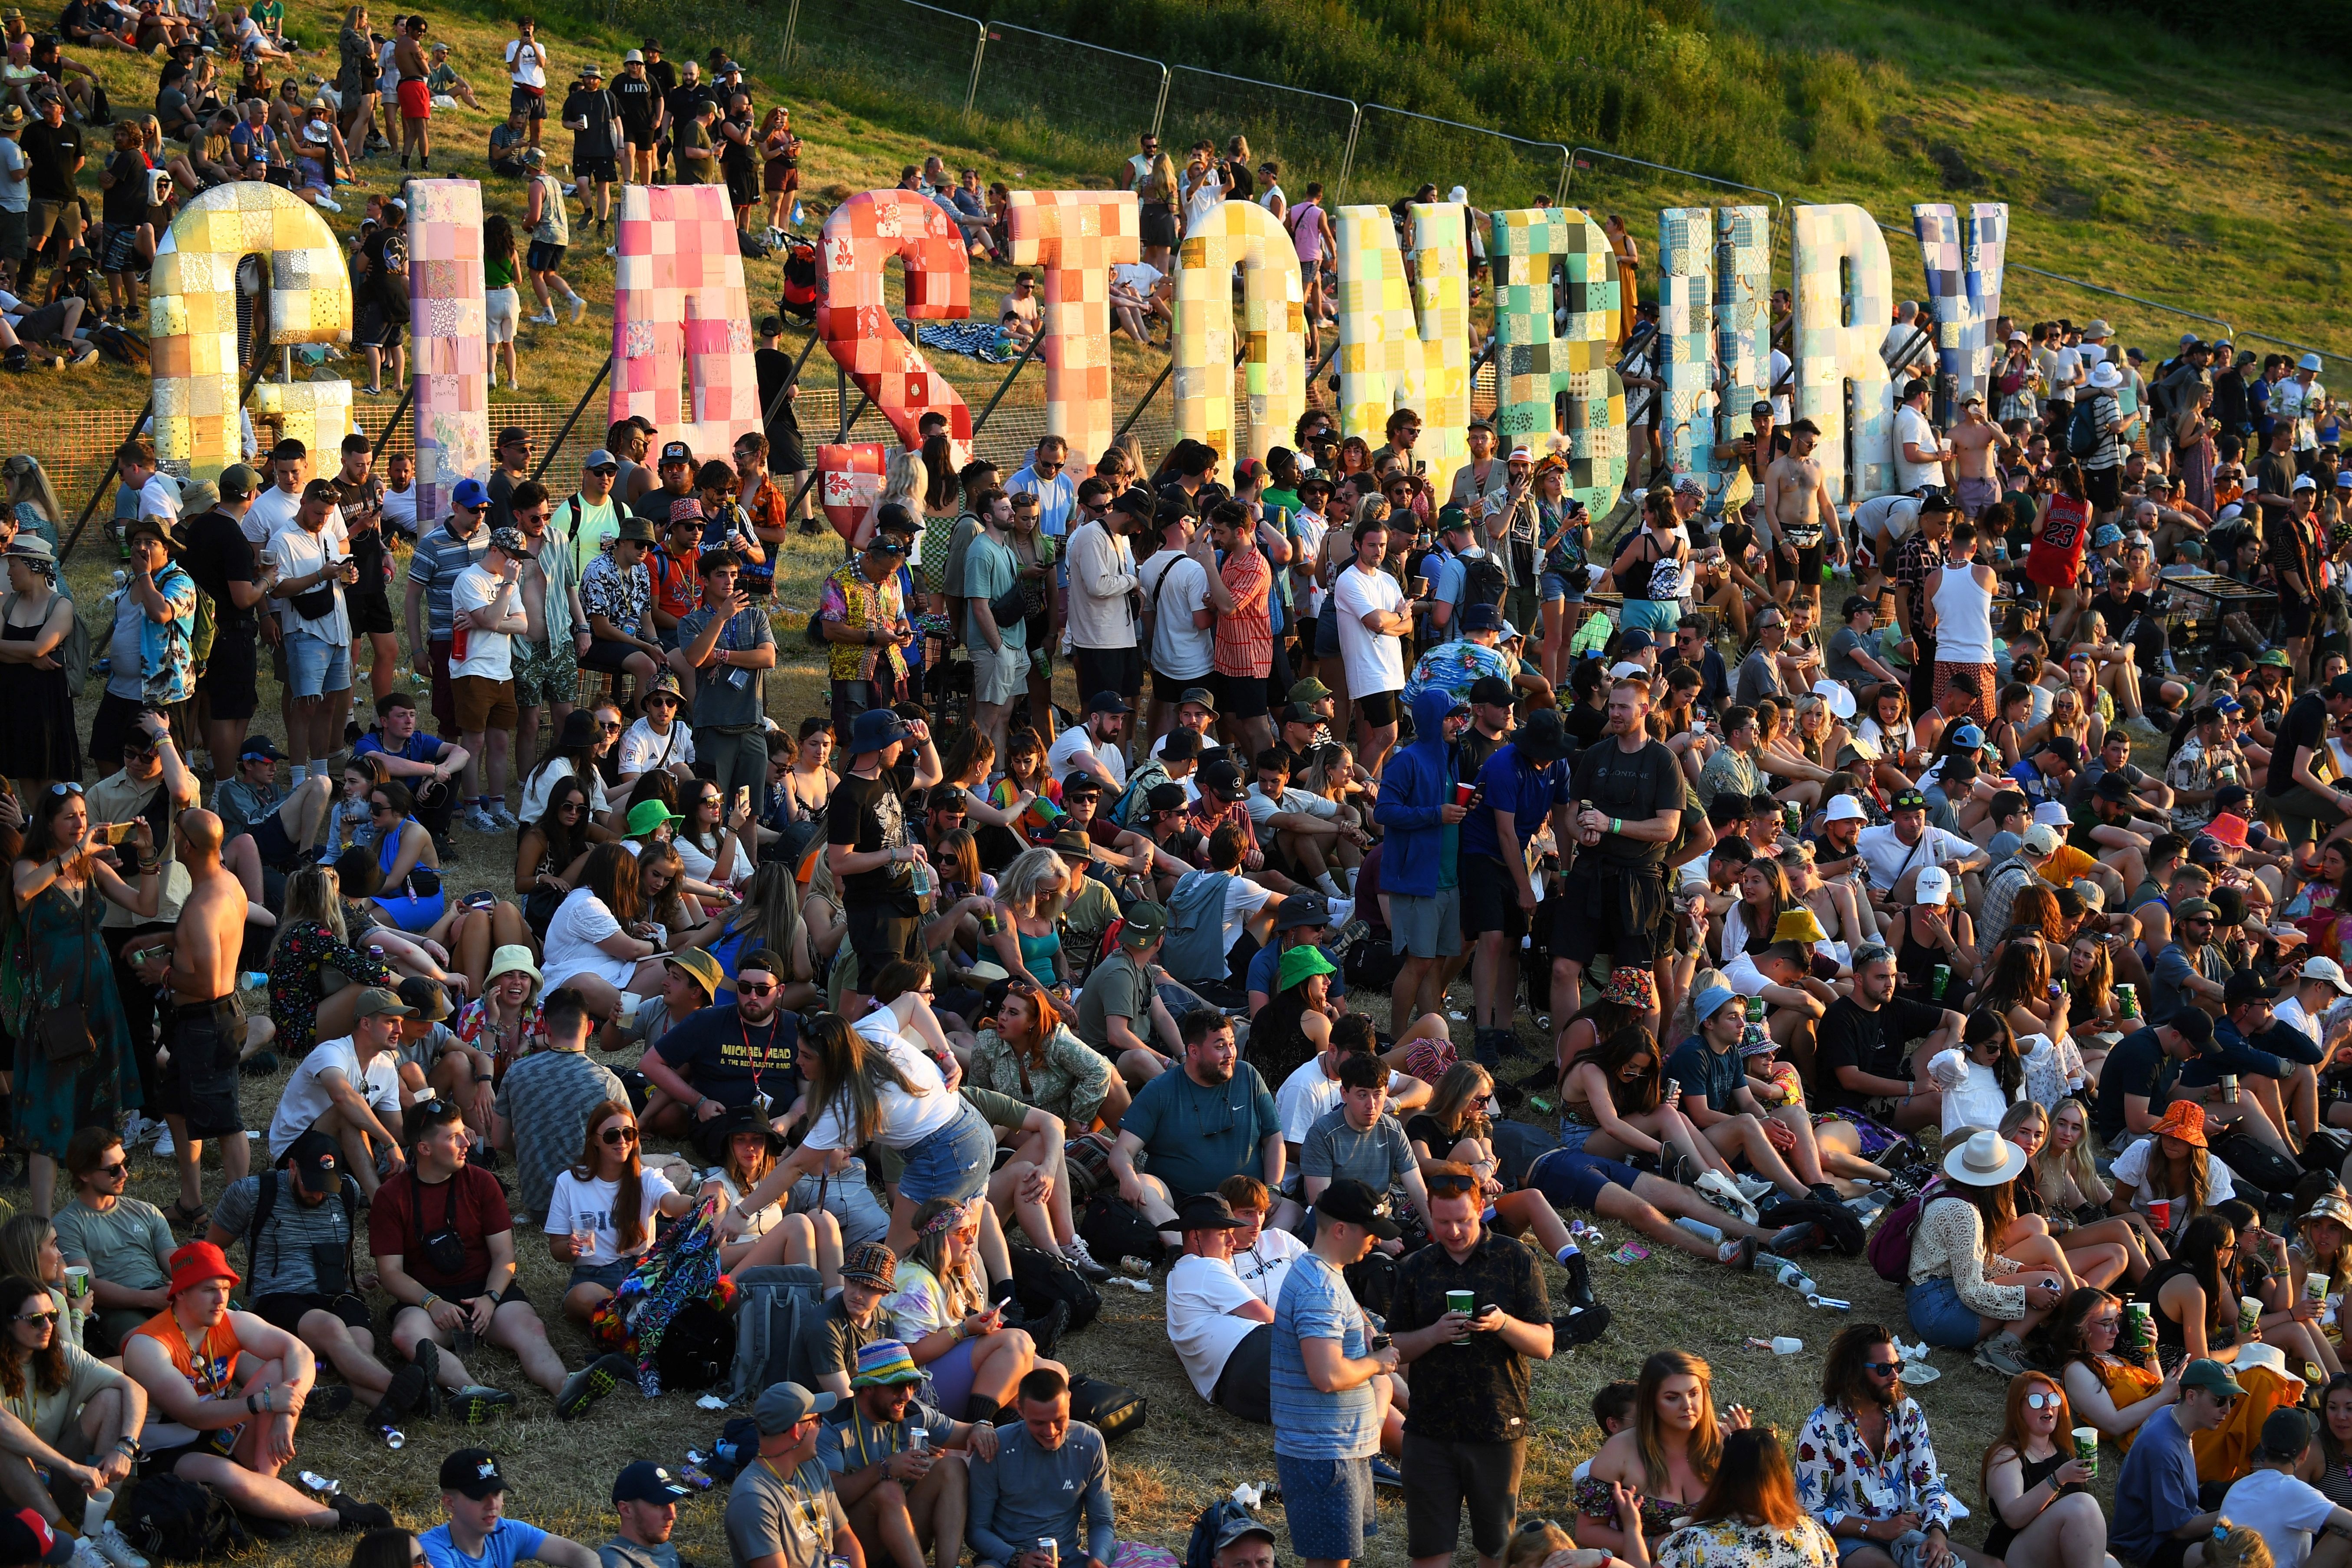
[(640, 137), (1118, 670), (370, 611), (465, 1292), (375, 329), (612, 658), (122, 248), (1241, 696), (532, 101), (286, 1310), (1490, 900), (271, 842), (200, 1081), (216, 1444), (1171, 689), (232, 677), (2104, 488), (543, 256), (877, 936), (743, 188), (604, 169), (1378, 710), (1244, 1388), (1440, 1477), (2294, 616), (1608, 906)]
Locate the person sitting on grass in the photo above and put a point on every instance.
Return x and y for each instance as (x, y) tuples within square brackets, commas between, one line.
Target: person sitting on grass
[(474, 1495), (68, 1413), (451, 1273), (241, 1385), (646, 1496), (348, 1089), (900, 1496), (1050, 1479), (747, 1147), (291, 1227), (600, 1218), (124, 1242)]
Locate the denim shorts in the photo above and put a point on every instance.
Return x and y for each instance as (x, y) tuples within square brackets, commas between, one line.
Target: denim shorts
[(1329, 1505), (952, 1162), (1552, 586), (1650, 615), (317, 667), (608, 1275), (1939, 1315), (1327, 633)]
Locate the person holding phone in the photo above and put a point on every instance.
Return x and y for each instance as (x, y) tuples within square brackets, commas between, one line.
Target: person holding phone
[(726, 649)]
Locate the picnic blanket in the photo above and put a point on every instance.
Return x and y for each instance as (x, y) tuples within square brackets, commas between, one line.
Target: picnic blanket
[(974, 339)]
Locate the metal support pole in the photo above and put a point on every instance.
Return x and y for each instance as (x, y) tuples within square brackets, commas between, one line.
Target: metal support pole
[(392, 423), (791, 31), (1145, 401), (574, 419), (260, 367), (1007, 384), (972, 89), (1348, 158), (841, 399), (1160, 109)]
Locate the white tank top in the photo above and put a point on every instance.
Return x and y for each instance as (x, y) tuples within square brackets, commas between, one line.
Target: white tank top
[(1963, 618)]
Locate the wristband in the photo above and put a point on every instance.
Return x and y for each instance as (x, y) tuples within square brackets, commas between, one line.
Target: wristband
[(1617, 824)]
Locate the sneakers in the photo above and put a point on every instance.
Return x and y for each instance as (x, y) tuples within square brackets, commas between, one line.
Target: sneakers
[(579, 309), (1739, 1254), (591, 1384), (412, 1387), (1719, 1189), (114, 1548), (507, 820), (544, 319), (164, 1147), (475, 1404), (1385, 1473), (1074, 1254), (2004, 1352), (480, 821), (86, 1555)]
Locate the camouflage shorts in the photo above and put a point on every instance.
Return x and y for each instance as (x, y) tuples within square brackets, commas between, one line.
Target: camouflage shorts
[(546, 673)]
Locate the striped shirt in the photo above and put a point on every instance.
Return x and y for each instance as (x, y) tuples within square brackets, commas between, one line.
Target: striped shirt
[(440, 557), (1245, 635)]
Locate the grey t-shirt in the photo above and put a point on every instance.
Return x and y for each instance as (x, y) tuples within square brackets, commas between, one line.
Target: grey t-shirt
[(297, 1240), (1335, 1149), (125, 1245), (426, 1049), (545, 1097), (619, 1554), (728, 697), (771, 1517), (1841, 661), (17, 189)]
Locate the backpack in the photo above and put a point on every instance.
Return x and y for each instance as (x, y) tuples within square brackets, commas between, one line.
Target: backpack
[(2082, 433), (1890, 1243), (773, 1307), (265, 1203), (1112, 1409), (1195, 949), (183, 1520), (1484, 581), (73, 652), (692, 1354), (1114, 1228), (1129, 809), (1039, 1281)]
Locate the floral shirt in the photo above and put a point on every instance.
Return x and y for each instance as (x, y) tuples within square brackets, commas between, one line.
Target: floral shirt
[(625, 598), (473, 1024), (294, 991), (1838, 1476), (167, 657), (1727, 1543), (1457, 666), (2192, 768), (856, 601), (1070, 1082)]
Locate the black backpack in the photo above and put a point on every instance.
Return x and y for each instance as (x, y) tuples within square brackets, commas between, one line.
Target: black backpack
[(1484, 581), (183, 1520), (1114, 1228), (1039, 1281), (1112, 1409)]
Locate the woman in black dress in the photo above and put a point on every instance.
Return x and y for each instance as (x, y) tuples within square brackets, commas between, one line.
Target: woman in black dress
[(39, 743)]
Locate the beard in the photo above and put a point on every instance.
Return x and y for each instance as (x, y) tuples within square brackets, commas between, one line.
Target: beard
[(1217, 1071)]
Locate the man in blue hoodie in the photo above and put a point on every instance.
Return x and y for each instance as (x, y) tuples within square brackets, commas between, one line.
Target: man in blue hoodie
[(1629, 798), (1419, 815)]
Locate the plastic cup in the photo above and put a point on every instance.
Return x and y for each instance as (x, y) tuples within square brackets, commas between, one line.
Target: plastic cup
[(2159, 1214), (1784, 1344), (78, 1286), (1463, 791), (93, 1512), (2140, 1322), (1461, 1302), (2086, 1449), (2314, 1288), (2250, 1315)]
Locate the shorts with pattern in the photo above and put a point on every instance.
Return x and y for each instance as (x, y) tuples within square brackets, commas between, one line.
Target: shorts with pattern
[(1980, 706), (546, 673), (122, 248)]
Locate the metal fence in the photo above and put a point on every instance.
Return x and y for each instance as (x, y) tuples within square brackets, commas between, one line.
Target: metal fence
[(1311, 135), (1498, 171), (1072, 92)]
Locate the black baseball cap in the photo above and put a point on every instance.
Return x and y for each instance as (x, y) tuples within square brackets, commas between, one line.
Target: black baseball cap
[(645, 1481), (1223, 780), (472, 1473), (675, 452), (2245, 986), (317, 1162), (1353, 1202)]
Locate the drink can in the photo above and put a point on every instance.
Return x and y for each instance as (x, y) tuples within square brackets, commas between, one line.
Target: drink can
[(2250, 1316), (2086, 1449), (918, 1440), (1943, 977), (1756, 1009), (2127, 999), (2229, 1088), (1461, 1302), (1050, 1549)]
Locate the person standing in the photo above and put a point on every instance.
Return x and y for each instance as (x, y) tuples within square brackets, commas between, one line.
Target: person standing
[(998, 643), (41, 742), (361, 496), (731, 648), (486, 613), (1959, 618), (414, 92), (1630, 798), (1919, 453), (442, 554), (1524, 787), (1374, 621), (154, 659), (315, 567), (223, 561), (1241, 594), (639, 98), (1103, 592), (551, 236), (1466, 1438), (526, 64), (1329, 1388), (862, 614), (867, 848), (1420, 872), (1181, 626), (594, 117), (198, 959)]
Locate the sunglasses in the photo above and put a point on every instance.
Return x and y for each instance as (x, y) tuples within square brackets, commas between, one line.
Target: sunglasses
[(572, 804), (68, 788), (1883, 1368), (1451, 1186), (117, 1168), (378, 808), (610, 725), (2044, 1400), (47, 1317), (741, 989), (618, 1135)]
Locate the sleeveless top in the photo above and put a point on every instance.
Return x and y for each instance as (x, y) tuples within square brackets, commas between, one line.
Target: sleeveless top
[(1999, 1535), (1963, 619), (2169, 1346)]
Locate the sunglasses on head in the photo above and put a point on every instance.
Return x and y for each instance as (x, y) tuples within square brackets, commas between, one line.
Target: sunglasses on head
[(1453, 1186), (618, 1135)]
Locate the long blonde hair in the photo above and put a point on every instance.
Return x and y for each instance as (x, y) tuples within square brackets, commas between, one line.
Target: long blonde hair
[(2052, 1169), (29, 481), (313, 893), (1023, 884), (961, 1292), (905, 480)]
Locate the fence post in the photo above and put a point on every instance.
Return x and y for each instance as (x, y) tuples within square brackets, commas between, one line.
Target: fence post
[(1159, 110), (971, 88), (1145, 401), (398, 409), (557, 445), (1348, 158), (792, 32), (1007, 384)]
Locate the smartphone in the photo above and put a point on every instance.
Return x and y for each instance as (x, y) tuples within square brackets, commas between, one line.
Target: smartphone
[(743, 799), (116, 832)]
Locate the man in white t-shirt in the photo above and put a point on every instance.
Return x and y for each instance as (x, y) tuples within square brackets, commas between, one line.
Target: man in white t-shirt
[(1375, 620), (1314, 1087), (1175, 589), (485, 616), (400, 495), (1919, 453), (273, 510), (1223, 1333), (350, 1089), (1897, 853), (2270, 1500), (2319, 985), (1093, 747)]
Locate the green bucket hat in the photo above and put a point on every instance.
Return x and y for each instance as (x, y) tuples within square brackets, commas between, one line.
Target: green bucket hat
[(1299, 962)]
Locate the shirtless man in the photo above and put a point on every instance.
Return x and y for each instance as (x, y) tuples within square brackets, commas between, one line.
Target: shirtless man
[(1977, 447), (415, 129), (198, 958), (1797, 501), (542, 669)]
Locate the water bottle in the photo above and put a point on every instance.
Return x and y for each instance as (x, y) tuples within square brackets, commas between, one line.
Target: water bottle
[(1706, 1232)]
